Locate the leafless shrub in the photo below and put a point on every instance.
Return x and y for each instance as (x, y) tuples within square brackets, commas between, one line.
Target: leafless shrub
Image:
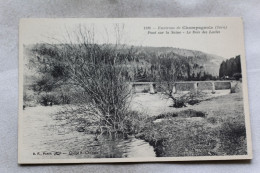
[(171, 68), (98, 71)]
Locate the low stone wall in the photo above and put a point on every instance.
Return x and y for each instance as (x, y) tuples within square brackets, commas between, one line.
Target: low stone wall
[(184, 86), (205, 85), (222, 85), (180, 87), (141, 88)]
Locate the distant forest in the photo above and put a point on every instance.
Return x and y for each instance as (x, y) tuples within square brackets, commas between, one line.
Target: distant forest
[(143, 64), (51, 70), (231, 68)]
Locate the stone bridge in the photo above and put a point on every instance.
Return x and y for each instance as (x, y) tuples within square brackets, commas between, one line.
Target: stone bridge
[(182, 86)]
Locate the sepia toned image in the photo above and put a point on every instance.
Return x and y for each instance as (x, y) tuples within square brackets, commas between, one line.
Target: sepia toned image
[(132, 90)]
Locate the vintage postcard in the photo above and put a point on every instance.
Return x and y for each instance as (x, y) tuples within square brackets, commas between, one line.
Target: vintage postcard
[(132, 90)]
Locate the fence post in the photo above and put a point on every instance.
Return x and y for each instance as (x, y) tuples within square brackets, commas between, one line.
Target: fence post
[(196, 87), (151, 88), (174, 90), (213, 88)]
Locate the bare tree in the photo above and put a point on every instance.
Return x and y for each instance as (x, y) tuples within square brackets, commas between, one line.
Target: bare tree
[(171, 68), (98, 71)]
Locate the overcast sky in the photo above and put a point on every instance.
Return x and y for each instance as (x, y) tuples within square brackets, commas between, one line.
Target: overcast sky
[(228, 43)]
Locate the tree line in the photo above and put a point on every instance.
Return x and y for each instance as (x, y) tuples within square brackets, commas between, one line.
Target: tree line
[(231, 68)]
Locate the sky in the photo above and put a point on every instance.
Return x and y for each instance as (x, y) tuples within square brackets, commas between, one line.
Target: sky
[(226, 38)]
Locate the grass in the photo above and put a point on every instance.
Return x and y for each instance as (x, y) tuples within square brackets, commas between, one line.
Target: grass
[(214, 127), (220, 132)]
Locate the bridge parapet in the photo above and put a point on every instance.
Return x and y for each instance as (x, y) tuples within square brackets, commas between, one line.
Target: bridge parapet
[(183, 86)]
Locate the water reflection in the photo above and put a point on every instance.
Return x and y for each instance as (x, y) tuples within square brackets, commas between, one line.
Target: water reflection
[(117, 148)]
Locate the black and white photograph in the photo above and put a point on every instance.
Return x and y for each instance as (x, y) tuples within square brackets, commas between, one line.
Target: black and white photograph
[(132, 90)]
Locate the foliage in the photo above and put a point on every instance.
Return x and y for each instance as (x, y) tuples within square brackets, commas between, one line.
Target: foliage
[(232, 134), (64, 65), (53, 98), (28, 98), (237, 76), (214, 127), (230, 67), (180, 136)]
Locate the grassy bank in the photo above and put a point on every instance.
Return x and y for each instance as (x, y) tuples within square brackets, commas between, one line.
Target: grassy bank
[(214, 126), (220, 131)]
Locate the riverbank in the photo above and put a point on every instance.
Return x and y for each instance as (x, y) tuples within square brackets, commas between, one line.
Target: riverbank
[(212, 127), (50, 134), (220, 132)]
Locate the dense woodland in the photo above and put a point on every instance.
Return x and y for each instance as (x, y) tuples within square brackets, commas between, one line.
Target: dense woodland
[(231, 68)]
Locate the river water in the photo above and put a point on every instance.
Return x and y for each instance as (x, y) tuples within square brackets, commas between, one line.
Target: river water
[(117, 148), (43, 137)]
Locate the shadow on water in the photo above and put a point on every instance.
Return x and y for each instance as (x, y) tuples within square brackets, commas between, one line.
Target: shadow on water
[(106, 147)]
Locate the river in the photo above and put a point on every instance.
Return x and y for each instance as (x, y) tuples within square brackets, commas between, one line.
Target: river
[(45, 137)]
